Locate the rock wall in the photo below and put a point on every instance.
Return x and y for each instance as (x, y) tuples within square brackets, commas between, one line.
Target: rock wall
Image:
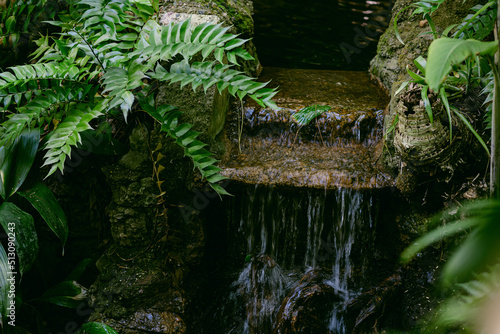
[(413, 133), (156, 226)]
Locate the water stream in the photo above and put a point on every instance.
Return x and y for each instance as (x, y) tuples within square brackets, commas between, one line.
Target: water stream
[(310, 232), (294, 258)]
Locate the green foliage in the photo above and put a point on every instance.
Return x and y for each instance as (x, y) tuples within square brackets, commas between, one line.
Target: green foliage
[(168, 117), (16, 160), (488, 90), (66, 294), (96, 328), (444, 52), (478, 25), (307, 114), (21, 226), (107, 62), (104, 64), (98, 68), (44, 201), (473, 268), (468, 305), (16, 18)]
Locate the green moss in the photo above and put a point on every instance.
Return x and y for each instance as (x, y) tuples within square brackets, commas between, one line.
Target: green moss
[(240, 16)]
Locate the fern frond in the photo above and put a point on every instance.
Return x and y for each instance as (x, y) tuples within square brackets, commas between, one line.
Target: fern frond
[(41, 111), (120, 83), (67, 134), (488, 102), (480, 24), (165, 42), (208, 74), (465, 307), (168, 117)]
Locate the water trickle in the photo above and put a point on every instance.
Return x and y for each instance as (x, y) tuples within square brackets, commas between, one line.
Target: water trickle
[(340, 148), (308, 252)]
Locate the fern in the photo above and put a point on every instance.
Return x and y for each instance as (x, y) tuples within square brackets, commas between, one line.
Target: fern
[(478, 25), (207, 75), (168, 117), (67, 134), (16, 18), (469, 301), (98, 67)]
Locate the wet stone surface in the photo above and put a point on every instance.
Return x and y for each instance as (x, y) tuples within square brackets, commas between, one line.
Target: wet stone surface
[(340, 148)]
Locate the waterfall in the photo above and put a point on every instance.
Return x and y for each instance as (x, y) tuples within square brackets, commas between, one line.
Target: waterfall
[(291, 250)]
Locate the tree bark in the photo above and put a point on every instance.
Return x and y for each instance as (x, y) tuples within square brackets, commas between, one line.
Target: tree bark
[(495, 124)]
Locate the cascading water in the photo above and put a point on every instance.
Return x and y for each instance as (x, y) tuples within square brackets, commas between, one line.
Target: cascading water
[(310, 232), (294, 258)]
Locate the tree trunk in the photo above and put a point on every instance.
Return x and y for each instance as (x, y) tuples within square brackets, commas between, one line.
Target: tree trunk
[(495, 130)]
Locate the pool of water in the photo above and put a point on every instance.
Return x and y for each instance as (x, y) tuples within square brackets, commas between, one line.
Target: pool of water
[(319, 34)]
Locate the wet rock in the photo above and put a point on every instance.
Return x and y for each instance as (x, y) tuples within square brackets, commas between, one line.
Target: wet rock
[(150, 321), (302, 310), (371, 306), (339, 149), (261, 286)]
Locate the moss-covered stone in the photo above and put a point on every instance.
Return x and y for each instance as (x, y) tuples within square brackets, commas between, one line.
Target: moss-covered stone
[(389, 67)]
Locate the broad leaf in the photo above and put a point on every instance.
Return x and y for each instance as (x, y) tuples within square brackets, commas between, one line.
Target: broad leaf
[(307, 114), (16, 160), (44, 201), (78, 270), (96, 328), (436, 235), (444, 52), (21, 226), (67, 294), (4, 285)]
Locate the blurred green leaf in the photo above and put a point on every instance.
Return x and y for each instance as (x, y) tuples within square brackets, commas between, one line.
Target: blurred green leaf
[(44, 201), (16, 160), (21, 226), (444, 52), (96, 328), (67, 294)]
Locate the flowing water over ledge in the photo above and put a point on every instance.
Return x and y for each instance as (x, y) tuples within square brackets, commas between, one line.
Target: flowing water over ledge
[(293, 260), (340, 149)]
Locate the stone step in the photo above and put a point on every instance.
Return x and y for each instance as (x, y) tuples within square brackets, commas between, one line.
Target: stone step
[(341, 149)]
